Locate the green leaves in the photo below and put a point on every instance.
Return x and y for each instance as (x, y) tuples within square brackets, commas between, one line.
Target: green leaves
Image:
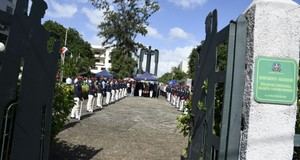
[(176, 74), (82, 57), (122, 63), (184, 121), (193, 57), (166, 77), (62, 105), (123, 21)]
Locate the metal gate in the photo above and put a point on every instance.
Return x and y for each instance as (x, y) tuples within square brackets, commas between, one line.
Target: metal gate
[(207, 142), (25, 127), (8, 125)]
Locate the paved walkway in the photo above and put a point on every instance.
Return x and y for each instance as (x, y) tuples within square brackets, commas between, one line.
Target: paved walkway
[(134, 128)]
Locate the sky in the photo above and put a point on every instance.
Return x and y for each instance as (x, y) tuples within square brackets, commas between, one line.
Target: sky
[(174, 30)]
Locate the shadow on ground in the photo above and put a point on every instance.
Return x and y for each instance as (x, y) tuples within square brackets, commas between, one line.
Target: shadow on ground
[(62, 150)]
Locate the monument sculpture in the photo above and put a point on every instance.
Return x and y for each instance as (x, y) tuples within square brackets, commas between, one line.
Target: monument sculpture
[(149, 52)]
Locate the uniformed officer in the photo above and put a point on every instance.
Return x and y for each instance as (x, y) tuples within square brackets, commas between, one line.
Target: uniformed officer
[(186, 97), (108, 92), (168, 90), (117, 91), (141, 87), (182, 99), (174, 96), (99, 93), (179, 94), (113, 91), (76, 110), (151, 88), (121, 89), (91, 96)]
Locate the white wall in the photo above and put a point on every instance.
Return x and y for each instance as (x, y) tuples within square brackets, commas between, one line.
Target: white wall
[(274, 27)]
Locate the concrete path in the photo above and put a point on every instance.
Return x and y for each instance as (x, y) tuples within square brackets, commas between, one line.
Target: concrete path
[(134, 128)]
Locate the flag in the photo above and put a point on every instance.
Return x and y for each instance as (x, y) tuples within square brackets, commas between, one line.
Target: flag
[(63, 50)]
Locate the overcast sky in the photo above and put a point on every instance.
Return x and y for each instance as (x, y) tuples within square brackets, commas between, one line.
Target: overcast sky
[(175, 29)]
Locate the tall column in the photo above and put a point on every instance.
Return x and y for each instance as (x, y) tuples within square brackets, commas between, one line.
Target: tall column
[(148, 65), (272, 47), (156, 53)]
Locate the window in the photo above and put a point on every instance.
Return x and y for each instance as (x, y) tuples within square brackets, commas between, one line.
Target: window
[(9, 10), (94, 67)]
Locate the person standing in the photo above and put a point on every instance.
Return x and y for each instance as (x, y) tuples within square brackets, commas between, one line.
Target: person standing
[(133, 89), (178, 95), (122, 93), (117, 90), (128, 90), (108, 92), (168, 90), (76, 110), (91, 94), (151, 89), (99, 93), (141, 87), (183, 98), (157, 87), (113, 91)]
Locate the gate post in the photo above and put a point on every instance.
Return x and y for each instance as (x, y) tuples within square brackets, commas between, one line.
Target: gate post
[(270, 95)]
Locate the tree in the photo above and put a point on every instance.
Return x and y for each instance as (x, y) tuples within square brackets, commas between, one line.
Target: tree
[(80, 57), (123, 21), (193, 58), (175, 74), (165, 77), (122, 65), (178, 74)]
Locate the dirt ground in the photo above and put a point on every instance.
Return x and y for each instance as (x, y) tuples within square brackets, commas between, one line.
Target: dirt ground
[(134, 128)]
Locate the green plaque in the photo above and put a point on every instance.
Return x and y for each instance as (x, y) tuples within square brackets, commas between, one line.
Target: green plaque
[(275, 80)]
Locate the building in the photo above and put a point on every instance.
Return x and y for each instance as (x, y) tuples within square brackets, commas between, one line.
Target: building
[(9, 7), (102, 59)]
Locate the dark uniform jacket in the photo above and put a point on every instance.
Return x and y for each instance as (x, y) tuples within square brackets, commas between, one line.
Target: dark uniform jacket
[(92, 89), (108, 87), (77, 90)]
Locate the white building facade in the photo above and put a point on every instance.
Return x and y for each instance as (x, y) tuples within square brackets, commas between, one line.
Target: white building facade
[(102, 59)]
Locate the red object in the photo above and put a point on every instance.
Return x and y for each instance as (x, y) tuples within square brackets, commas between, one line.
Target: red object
[(63, 50)]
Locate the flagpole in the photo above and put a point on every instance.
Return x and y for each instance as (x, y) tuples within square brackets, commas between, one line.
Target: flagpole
[(66, 37), (63, 57)]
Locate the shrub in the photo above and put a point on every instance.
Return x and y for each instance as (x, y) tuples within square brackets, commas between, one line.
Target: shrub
[(62, 104), (184, 124)]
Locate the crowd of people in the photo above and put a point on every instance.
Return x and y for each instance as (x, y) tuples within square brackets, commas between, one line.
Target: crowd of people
[(101, 92), (104, 91), (146, 89), (177, 95)]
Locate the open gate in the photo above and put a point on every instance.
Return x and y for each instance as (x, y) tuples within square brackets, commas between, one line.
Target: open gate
[(207, 143), (25, 125)]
